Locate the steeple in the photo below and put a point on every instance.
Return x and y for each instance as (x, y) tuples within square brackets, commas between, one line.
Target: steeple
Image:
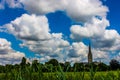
[(89, 54)]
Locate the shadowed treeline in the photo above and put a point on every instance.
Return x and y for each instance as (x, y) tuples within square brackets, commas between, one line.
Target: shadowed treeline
[(53, 66), (53, 70)]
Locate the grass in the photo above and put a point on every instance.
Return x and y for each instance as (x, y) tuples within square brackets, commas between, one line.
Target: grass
[(28, 74), (110, 75)]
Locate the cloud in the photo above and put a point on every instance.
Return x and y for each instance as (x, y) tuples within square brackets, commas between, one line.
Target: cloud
[(100, 55), (52, 47), (109, 41), (56, 47), (104, 41), (96, 31), (10, 4), (35, 34), (43, 6), (7, 54), (34, 31), (85, 10), (1, 5), (117, 57), (92, 29), (13, 3), (30, 27), (78, 49), (78, 52), (76, 9)]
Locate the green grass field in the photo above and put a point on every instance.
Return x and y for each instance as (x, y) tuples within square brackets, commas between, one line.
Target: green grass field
[(110, 75)]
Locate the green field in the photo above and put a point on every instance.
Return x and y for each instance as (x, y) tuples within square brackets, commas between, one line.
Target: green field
[(110, 75)]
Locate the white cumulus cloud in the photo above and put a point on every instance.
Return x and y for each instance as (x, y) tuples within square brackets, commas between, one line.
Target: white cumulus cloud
[(95, 28), (30, 27), (79, 10), (7, 54), (78, 52), (110, 41), (51, 47), (85, 10), (34, 31), (35, 34), (78, 49), (43, 6)]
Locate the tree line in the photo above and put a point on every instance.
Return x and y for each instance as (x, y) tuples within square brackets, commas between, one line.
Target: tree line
[(53, 65)]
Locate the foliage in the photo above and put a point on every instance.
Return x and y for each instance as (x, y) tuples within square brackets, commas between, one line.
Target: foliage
[(54, 62), (53, 70), (114, 64)]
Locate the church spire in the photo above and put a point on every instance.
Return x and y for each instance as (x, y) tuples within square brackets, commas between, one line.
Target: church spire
[(89, 54)]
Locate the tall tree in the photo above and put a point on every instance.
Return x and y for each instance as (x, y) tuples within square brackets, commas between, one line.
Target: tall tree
[(102, 67), (67, 66), (35, 65), (114, 64), (23, 63), (54, 62), (78, 67)]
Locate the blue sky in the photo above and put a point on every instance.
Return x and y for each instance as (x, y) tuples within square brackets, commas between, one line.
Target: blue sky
[(113, 14), (59, 29)]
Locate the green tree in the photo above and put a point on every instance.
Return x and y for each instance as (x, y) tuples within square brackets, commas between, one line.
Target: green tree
[(23, 64), (67, 67), (114, 64), (102, 67), (2, 69), (78, 67), (62, 66), (35, 65), (8, 67), (54, 62)]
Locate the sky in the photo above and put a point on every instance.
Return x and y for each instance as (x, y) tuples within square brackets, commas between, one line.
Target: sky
[(59, 29)]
